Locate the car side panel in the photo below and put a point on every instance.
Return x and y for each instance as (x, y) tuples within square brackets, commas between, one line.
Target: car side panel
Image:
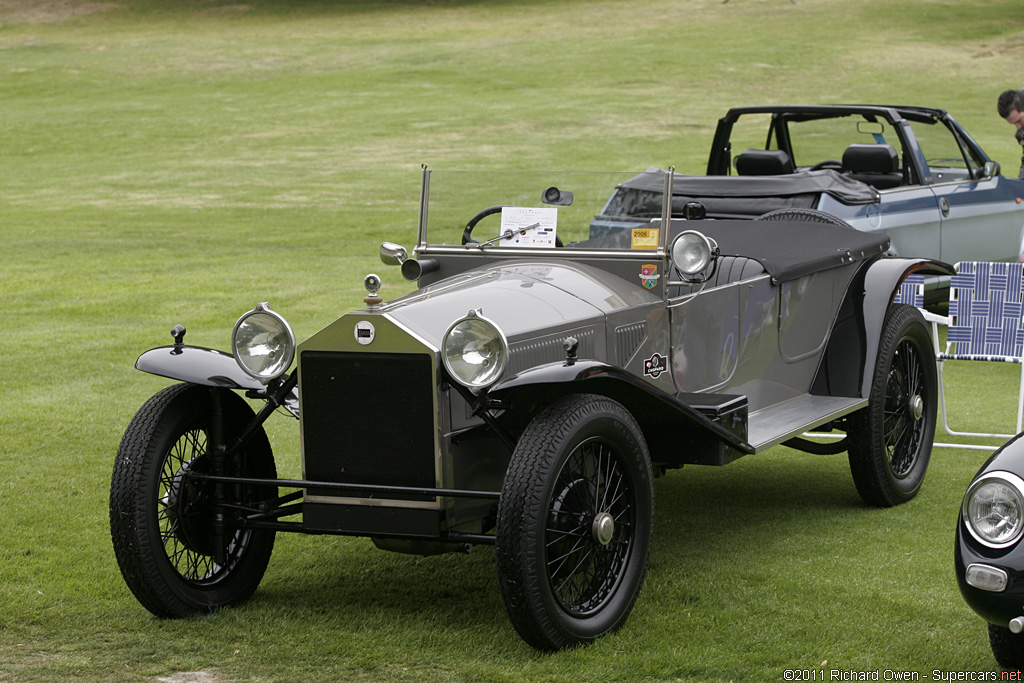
[(755, 338), (984, 221), (909, 216)]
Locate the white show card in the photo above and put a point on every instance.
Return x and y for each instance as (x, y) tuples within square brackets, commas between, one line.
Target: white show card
[(528, 227)]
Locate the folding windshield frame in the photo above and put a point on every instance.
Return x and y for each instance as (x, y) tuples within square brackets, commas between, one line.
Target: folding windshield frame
[(425, 246)]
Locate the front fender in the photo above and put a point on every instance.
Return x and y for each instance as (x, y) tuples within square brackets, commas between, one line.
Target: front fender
[(657, 412), (196, 365)]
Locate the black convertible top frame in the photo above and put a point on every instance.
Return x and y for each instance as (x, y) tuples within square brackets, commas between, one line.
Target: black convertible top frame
[(896, 116)]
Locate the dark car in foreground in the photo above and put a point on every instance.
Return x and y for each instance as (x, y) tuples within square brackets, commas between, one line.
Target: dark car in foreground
[(557, 356), (989, 551), (912, 173)]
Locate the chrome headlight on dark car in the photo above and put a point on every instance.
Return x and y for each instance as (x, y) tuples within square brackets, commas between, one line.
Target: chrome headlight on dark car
[(993, 509), (263, 344), (474, 351)]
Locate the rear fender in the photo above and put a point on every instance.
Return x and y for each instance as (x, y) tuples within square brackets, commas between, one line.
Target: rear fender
[(847, 366), (660, 415), (197, 365)]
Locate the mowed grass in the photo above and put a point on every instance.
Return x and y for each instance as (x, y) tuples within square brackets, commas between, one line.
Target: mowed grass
[(178, 162)]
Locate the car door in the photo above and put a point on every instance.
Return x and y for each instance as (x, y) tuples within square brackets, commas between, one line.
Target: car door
[(908, 215), (980, 217), (981, 221)]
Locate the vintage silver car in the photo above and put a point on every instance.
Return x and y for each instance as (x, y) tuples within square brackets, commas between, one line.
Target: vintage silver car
[(553, 361)]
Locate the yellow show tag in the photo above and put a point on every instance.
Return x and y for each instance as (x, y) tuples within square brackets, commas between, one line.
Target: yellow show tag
[(644, 238)]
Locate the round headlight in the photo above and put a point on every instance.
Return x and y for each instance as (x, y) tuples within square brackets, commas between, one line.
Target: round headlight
[(691, 252), (474, 351), (994, 509), (263, 344)]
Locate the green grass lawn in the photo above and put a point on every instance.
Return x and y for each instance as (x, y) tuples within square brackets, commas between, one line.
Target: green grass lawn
[(166, 162)]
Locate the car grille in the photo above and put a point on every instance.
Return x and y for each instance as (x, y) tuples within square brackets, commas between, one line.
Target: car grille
[(368, 418)]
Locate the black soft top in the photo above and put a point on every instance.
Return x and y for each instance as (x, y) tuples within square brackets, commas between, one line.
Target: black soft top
[(789, 249), (843, 188)]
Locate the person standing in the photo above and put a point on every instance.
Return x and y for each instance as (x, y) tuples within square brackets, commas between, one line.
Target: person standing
[(1011, 107)]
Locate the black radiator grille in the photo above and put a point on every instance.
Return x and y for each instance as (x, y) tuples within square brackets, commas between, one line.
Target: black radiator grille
[(368, 418)]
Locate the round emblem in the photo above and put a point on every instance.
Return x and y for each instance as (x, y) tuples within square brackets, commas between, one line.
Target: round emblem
[(364, 332)]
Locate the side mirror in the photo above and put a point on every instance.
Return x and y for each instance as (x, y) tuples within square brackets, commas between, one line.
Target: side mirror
[(553, 195), (392, 254), (991, 170)]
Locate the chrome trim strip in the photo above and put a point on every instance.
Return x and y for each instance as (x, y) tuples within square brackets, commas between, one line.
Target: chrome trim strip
[(541, 253)]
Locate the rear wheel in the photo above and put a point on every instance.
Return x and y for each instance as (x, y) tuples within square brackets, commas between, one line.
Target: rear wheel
[(574, 523), (891, 439), (162, 523)]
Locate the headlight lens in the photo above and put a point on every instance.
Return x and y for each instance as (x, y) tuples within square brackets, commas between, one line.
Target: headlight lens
[(474, 351), (263, 344), (993, 509), (691, 252)]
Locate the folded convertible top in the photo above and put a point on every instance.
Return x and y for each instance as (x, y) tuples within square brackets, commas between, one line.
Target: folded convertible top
[(843, 188), (790, 249)]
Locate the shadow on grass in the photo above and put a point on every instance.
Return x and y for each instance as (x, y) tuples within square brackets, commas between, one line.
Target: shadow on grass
[(701, 513)]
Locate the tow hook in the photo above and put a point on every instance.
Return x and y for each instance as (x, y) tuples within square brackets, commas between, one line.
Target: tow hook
[(1017, 625)]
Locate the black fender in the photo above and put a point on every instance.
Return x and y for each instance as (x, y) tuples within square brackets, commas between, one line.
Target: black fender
[(197, 365), (847, 365), (659, 414)]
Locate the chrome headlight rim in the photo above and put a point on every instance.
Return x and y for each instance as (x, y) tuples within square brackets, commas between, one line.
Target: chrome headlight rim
[(283, 362), (692, 239), (1015, 485), (483, 380)]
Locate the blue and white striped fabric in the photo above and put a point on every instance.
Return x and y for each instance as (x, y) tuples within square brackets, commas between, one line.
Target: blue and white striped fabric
[(911, 291), (986, 305)]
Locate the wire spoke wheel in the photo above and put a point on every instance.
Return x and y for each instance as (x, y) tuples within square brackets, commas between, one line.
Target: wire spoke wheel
[(162, 522), (574, 522), (891, 438), (904, 428), (589, 532), (184, 514)]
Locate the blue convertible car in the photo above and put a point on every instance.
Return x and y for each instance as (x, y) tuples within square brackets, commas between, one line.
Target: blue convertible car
[(911, 173)]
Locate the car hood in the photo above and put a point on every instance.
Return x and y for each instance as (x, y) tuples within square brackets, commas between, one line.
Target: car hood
[(522, 298)]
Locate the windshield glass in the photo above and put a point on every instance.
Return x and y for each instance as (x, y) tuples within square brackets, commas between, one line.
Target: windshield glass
[(524, 210)]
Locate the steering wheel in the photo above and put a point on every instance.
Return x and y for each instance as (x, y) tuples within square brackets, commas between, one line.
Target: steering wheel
[(467, 233), (827, 163)]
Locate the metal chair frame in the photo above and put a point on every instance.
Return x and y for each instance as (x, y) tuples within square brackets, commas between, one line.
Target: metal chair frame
[(986, 302)]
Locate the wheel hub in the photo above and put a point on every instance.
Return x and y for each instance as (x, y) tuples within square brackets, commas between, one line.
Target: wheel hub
[(916, 407), (603, 528), (187, 511)]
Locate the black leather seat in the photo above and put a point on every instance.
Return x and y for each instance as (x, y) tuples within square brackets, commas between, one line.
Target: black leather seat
[(764, 162), (876, 165), (730, 269)]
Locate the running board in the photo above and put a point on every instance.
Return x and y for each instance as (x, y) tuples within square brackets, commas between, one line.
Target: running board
[(771, 426)]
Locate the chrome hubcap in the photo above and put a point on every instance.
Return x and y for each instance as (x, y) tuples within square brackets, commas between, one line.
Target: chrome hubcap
[(603, 528), (916, 407)]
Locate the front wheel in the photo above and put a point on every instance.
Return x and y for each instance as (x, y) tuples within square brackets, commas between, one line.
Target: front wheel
[(1007, 646), (891, 439), (574, 522), (162, 522)]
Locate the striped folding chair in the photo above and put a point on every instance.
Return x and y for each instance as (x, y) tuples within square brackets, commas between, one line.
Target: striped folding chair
[(985, 307), (911, 291)]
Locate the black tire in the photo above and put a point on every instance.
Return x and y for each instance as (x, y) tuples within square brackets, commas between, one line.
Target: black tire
[(161, 529), (1007, 647), (579, 492), (802, 215), (891, 439)]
